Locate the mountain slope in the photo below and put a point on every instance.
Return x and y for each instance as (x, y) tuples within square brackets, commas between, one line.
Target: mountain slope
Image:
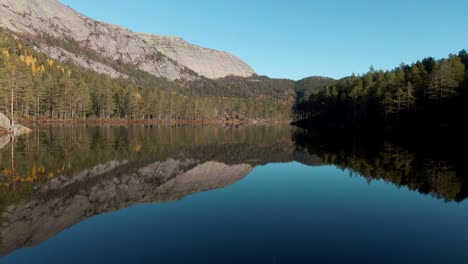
[(207, 62), (160, 56), (312, 84)]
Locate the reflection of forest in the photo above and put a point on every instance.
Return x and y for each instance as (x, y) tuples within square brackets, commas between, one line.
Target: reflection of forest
[(419, 164), (52, 152), (63, 175)]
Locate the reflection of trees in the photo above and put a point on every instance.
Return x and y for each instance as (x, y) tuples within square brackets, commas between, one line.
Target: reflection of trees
[(421, 171), (49, 153), (61, 169), (52, 152), (443, 179)]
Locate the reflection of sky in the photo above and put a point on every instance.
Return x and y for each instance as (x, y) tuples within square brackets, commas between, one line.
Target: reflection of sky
[(280, 212)]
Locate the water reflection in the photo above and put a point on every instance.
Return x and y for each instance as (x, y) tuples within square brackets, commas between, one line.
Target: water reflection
[(427, 166), (57, 177), (63, 175)]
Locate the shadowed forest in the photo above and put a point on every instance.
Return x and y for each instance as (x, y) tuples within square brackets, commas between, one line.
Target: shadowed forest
[(428, 94)]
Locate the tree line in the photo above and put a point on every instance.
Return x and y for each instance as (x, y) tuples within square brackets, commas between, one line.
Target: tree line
[(427, 92), (231, 86), (34, 85)]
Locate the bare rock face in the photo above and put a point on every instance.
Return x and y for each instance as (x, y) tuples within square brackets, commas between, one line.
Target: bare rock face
[(207, 62), (157, 55), (60, 54), (4, 122), (4, 140)]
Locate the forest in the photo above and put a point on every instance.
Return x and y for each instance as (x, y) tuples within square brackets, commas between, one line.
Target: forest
[(428, 93), (35, 87)]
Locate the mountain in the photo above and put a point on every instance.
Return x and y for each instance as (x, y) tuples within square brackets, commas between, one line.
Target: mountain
[(207, 62), (312, 84), (67, 65), (161, 56)]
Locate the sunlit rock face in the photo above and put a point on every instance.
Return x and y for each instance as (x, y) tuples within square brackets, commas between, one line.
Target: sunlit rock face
[(4, 140), (207, 62), (161, 56), (4, 122)]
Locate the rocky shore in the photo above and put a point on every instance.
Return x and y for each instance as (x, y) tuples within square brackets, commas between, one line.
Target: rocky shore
[(7, 129)]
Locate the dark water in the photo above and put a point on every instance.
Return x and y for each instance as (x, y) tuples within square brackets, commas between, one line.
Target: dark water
[(213, 194)]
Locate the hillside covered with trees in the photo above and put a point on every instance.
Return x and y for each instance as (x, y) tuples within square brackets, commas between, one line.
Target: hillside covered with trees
[(427, 93), (40, 87)]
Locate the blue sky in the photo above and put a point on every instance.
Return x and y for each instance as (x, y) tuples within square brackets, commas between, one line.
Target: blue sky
[(300, 38)]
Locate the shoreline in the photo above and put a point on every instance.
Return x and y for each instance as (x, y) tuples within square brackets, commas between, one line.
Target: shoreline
[(111, 121)]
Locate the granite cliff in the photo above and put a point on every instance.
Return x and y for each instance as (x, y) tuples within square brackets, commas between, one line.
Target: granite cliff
[(161, 56)]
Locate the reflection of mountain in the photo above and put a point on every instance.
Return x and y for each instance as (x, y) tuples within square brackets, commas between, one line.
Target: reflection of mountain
[(66, 201), (64, 175)]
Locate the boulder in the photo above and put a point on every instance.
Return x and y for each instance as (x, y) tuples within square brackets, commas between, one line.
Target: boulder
[(16, 130), (4, 122), (4, 140)]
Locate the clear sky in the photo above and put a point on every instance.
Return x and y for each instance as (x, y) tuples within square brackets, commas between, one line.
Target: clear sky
[(300, 38)]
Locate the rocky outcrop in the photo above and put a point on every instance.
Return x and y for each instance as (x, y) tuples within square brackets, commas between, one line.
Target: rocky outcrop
[(4, 140), (4, 122), (65, 56), (207, 62), (16, 130), (66, 201), (160, 56)]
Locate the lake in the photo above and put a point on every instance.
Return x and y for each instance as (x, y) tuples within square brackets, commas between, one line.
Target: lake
[(228, 194)]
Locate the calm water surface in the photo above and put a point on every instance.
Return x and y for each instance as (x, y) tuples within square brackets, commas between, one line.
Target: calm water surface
[(218, 194)]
